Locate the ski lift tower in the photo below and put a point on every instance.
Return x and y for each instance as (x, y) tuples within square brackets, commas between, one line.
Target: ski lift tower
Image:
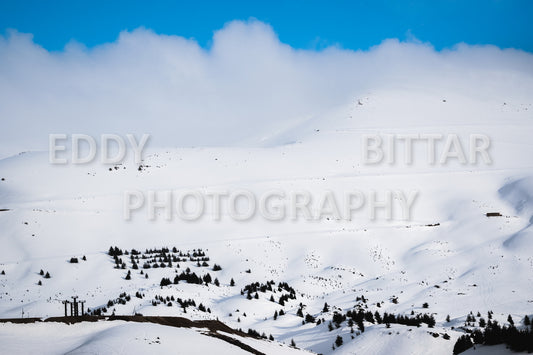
[(74, 307)]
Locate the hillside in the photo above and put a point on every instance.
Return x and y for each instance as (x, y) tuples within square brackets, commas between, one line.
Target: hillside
[(449, 255)]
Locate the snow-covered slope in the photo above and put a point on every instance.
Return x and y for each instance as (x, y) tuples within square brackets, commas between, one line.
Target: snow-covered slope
[(119, 337), (450, 255)]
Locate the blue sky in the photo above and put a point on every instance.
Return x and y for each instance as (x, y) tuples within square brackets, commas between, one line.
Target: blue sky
[(305, 24)]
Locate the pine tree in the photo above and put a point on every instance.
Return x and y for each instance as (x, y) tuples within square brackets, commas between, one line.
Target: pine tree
[(207, 278), (326, 308), (338, 341), (448, 318), (378, 318), (47, 276), (232, 282), (309, 318), (275, 315), (293, 344), (360, 325), (510, 320), (431, 321), (478, 337), (526, 320), (463, 343)]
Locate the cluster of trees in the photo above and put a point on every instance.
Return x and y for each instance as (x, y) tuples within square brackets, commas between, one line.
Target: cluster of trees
[(360, 314), (96, 311), (75, 260), (493, 334), (361, 298), (119, 264), (255, 334), (285, 286), (338, 342), (280, 313), (156, 265), (256, 287), (191, 278), (123, 298), (45, 275), (176, 255), (115, 251), (162, 258), (285, 297), (159, 258), (309, 318), (356, 317), (168, 300), (417, 320)]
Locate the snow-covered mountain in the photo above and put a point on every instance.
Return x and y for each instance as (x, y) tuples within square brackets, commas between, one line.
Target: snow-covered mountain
[(449, 259)]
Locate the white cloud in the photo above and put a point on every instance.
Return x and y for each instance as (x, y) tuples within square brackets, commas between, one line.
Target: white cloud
[(248, 83)]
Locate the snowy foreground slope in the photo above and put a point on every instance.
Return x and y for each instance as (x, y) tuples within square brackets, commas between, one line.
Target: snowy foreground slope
[(449, 255), (121, 337)]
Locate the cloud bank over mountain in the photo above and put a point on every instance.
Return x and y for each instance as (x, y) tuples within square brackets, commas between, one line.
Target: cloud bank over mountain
[(245, 86)]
